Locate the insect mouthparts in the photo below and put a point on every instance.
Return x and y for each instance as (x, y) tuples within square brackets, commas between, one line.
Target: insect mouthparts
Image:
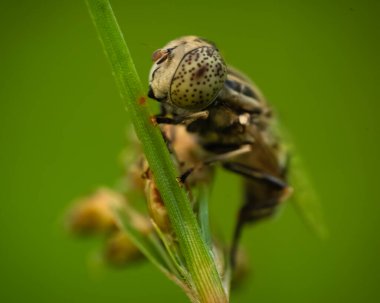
[(151, 94)]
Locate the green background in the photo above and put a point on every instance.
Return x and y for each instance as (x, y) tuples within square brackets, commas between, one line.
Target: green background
[(62, 127)]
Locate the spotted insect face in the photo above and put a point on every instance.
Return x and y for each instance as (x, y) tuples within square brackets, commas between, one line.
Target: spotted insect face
[(187, 73)]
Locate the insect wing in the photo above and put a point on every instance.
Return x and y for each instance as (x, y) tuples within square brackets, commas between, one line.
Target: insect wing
[(305, 199)]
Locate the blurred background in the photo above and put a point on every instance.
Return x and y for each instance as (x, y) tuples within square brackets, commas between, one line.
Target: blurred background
[(62, 128)]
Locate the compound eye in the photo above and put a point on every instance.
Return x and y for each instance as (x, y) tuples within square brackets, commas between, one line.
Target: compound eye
[(198, 79)]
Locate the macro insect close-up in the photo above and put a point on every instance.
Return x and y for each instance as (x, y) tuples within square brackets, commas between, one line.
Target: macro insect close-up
[(230, 118), (205, 152), (210, 114)]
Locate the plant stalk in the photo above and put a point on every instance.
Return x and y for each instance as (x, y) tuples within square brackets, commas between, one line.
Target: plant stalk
[(198, 257)]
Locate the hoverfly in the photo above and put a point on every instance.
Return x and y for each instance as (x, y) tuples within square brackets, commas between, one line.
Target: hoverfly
[(230, 119)]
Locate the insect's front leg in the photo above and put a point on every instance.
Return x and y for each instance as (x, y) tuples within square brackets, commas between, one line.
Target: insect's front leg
[(185, 120)]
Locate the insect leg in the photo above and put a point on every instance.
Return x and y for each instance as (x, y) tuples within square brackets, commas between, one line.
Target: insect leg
[(248, 214), (186, 120), (251, 212), (235, 241), (252, 173), (217, 158), (169, 137)]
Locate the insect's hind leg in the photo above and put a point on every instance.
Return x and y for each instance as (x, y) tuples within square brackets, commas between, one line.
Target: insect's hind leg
[(248, 215), (254, 174), (253, 211)]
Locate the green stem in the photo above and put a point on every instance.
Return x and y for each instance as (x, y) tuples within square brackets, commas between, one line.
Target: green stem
[(198, 257)]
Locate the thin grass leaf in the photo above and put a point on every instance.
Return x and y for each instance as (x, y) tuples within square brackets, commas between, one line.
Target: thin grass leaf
[(203, 216), (175, 259), (154, 252), (142, 243)]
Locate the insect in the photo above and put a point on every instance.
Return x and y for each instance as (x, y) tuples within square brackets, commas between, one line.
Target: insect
[(230, 118)]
